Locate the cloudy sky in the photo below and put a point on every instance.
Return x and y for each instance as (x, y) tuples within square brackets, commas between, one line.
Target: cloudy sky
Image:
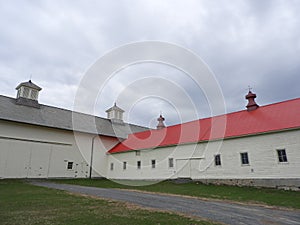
[(254, 42)]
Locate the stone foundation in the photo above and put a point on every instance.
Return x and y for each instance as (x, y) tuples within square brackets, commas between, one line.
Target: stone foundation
[(286, 184)]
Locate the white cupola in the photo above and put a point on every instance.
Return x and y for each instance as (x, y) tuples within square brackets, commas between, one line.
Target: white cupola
[(115, 114), (28, 93)]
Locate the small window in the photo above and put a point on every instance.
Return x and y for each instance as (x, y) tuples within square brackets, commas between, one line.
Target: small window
[(244, 158), (111, 166), (139, 164), (218, 160), (137, 153), (124, 165), (119, 115), (153, 163), (19, 93), (171, 162), (282, 155), (26, 92), (33, 94), (70, 165), (110, 114)]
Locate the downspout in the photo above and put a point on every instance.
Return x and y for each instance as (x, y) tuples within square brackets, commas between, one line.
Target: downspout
[(92, 153)]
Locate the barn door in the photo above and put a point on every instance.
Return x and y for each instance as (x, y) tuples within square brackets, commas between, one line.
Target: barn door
[(15, 159), (183, 168), (3, 158), (39, 161)]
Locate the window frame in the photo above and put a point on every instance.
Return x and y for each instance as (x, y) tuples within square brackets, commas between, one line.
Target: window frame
[(124, 165), (26, 92), (68, 165), (138, 164), (110, 115), (171, 162), (217, 159), (243, 158), (33, 94), (282, 158), (153, 163)]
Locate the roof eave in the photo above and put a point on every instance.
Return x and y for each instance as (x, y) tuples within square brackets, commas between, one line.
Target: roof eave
[(216, 139)]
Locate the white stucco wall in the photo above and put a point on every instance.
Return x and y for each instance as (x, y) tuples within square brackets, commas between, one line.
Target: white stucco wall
[(197, 161), (28, 151)]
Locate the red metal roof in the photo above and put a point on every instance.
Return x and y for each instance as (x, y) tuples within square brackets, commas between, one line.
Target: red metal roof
[(269, 118)]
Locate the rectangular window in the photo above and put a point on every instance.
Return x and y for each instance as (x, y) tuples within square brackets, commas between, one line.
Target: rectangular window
[(139, 164), (25, 92), (124, 165), (218, 160), (244, 158), (33, 94), (282, 155), (137, 153), (110, 115), (111, 166), (171, 162), (153, 162), (70, 165)]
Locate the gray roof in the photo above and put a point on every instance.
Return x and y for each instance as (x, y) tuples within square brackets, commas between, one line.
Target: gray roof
[(29, 84), (53, 117), (115, 107)]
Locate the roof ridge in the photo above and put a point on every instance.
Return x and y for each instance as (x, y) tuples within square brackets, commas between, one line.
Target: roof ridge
[(71, 111), (230, 113)]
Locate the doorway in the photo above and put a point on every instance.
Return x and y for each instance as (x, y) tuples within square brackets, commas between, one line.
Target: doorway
[(183, 168)]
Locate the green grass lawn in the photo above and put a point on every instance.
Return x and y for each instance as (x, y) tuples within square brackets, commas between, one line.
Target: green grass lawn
[(242, 194), (22, 203)]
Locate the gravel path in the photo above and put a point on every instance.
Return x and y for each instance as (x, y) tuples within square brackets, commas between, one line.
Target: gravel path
[(228, 213)]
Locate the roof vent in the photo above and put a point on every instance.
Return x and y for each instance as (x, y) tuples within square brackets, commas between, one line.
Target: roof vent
[(160, 124), (115, 114), (27, 94), (252, 105)]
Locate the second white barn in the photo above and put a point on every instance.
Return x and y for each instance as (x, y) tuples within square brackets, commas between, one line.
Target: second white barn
[(258, 146)]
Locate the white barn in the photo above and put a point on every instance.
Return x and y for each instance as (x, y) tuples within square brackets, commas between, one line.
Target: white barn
[(38, 141), (259, 146)]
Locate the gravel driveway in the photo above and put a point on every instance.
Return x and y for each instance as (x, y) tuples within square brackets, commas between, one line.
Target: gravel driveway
[(228, 213)]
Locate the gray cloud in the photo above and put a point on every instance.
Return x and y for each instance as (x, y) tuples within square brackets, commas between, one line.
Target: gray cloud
[(244, 43)]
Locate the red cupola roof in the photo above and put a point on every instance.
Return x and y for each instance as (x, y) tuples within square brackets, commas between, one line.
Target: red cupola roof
[(160, 124), (252, 105)]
